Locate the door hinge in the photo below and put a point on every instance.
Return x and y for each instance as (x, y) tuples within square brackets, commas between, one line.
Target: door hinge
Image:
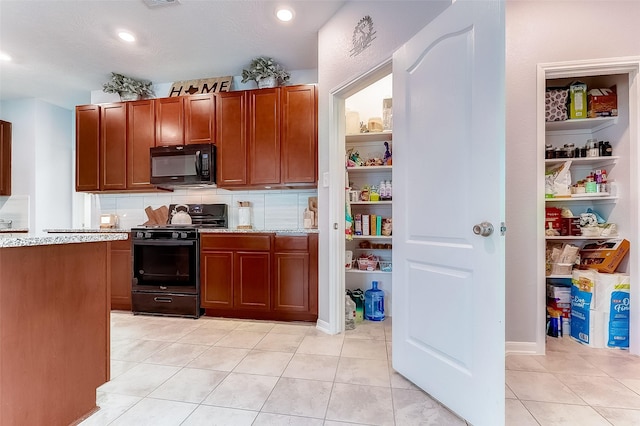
[(503, 228)]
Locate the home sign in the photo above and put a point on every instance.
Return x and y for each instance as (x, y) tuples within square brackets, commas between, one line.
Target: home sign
[(202, 86)]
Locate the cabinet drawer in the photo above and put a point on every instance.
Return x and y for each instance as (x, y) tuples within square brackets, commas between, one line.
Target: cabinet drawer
[(290, 243), (260, 242)]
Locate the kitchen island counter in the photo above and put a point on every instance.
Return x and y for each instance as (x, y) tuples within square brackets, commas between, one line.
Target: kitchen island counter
[(54, 311)]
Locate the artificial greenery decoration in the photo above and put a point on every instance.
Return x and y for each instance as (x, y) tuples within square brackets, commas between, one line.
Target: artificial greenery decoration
[(263, 67), (121, 84)]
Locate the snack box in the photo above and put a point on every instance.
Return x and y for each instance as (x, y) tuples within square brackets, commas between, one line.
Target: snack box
[(578, 100), (555, 104), (602, 102), (553, 215), (603, 256)]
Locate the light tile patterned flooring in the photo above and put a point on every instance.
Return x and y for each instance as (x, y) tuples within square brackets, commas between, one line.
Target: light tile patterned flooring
[(573, 385), (172, 371)]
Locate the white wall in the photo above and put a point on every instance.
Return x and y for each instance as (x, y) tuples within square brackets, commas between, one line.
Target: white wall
[(41, 163), (542, 32), (394, 22)]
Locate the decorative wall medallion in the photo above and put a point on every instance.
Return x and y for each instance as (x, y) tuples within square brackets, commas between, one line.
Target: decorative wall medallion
[(363, 35)]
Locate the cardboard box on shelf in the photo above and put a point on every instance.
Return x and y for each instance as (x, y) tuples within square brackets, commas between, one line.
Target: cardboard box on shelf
[(602, 102), (603, 256), (578, 100)]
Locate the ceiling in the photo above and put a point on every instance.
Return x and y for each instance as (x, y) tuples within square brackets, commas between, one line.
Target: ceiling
[(62, 50)]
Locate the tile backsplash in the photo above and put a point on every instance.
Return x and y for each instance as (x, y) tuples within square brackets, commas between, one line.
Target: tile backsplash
[(16, 209), (271, 210)]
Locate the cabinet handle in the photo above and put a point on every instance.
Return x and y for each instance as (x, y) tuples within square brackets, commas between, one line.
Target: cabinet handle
[(163, 299)]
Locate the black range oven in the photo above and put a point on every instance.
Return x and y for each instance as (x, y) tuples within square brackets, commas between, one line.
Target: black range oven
[(166, 263)]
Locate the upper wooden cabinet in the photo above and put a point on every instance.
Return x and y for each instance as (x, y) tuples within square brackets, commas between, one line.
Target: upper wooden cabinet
[(267, 138), (113, 146), (231, 137), (299, 135), (185, 120), (88, 148), (199, 119), (141, 136), (263, 156), (5, 158)]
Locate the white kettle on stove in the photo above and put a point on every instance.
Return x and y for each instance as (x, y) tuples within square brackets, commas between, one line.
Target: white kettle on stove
[(180, 217)]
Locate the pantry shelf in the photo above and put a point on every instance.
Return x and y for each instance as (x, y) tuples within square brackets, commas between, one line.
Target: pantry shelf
[(366, 169), (579, 237), (609, 198), (579, 126), (369, 202), (369, 137), (357, 271), (372, 237), (593, 161)]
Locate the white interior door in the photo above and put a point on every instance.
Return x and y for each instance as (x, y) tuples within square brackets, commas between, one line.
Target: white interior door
[(449, 127)]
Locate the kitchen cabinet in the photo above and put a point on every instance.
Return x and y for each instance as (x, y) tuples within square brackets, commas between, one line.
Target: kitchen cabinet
[(367, 240), (170, 121), (88, 148), (263, 156), (199, 119), (5, 158), (267, 138), (113, 146), (140, 137), (613, 202), (235, 272), (295, 287), (231, 134), (121, 274), (299, 135), (185, 120), (259, 276)]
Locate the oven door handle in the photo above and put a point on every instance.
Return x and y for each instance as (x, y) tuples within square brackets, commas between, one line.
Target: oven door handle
[(164, 242), (163, 299)]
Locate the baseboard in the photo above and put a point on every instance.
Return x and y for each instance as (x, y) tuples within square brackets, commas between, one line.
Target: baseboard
[(524, 348), (323, 326)]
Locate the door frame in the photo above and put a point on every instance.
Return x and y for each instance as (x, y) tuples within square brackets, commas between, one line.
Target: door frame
[(337, 131), (586, 68)]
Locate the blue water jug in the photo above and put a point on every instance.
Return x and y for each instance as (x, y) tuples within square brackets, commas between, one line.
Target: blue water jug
[(374, 303)]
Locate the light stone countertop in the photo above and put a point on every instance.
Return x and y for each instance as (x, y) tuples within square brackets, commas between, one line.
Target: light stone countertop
[(44, 239), (200, 230)]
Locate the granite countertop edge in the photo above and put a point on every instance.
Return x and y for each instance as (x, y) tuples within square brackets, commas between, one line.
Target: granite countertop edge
[(201, 230), (43, 239)]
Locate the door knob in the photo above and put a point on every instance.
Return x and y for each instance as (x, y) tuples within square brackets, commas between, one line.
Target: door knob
[(483, 229)]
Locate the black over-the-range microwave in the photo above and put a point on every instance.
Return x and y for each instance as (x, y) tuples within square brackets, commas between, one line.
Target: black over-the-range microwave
[(183, 165)]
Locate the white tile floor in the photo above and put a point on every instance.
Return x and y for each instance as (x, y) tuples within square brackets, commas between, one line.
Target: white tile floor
[(171, 371), (573, 385)]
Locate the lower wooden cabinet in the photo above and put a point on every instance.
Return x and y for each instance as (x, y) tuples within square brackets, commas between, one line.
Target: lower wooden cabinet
[(121, 275), (5, 158), (259, 276)]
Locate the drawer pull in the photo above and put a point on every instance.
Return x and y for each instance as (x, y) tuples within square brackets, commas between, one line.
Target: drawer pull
[(163, 299)]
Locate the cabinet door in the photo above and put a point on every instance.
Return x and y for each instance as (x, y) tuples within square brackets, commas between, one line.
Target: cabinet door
[(121, 275), (291, 284), (299, 143), (199, 119), (231, 112), (113, 146), (5, 158), (252, 281), (264, 136), (141, 137), (216, 279), (88, 148), (169, 121)]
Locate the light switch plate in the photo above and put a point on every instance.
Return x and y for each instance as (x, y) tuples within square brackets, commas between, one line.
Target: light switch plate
[(325, 179)]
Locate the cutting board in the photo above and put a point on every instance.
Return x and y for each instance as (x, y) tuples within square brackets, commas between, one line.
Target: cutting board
[(163, 214)]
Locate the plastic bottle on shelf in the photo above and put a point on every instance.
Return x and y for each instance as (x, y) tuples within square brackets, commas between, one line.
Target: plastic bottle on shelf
[(383, 190), (374, 303), (389, 190), (349, 313)]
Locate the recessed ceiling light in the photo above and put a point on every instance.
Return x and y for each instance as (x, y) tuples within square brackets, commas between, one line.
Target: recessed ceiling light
[(127, 36), (285, 15), (4, 57)]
